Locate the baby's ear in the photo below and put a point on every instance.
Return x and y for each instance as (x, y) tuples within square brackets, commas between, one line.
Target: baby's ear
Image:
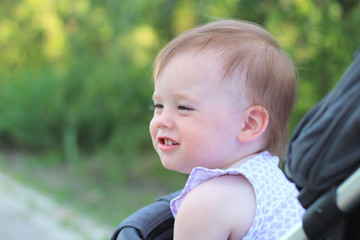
[(255, 122)]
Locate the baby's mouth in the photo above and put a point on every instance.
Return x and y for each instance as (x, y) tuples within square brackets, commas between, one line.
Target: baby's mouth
[(167, 142)]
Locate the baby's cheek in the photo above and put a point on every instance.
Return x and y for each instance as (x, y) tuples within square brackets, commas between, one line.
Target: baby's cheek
[(152, 128), (152, 131)]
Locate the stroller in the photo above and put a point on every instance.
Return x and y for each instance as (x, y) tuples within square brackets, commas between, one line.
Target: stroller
[(323, 160)]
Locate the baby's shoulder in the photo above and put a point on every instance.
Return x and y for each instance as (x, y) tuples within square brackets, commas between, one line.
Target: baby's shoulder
[(228, 200), (230, 190), (226, 184)]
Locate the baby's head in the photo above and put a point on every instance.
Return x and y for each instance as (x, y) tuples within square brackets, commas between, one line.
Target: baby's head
[(251, 60)]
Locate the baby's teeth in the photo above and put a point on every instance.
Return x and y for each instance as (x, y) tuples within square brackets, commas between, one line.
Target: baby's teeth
[(169, 142)]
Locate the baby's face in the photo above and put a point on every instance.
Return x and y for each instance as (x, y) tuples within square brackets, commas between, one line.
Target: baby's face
[(196, 118)]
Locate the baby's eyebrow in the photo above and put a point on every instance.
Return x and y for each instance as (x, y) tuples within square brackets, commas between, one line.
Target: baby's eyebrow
[(178, 96), (185, 96)]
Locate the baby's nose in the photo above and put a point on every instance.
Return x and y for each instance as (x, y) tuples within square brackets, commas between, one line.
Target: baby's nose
[(164, 120)]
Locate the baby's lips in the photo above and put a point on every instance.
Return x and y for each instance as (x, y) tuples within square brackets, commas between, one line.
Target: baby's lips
[(167, 141)]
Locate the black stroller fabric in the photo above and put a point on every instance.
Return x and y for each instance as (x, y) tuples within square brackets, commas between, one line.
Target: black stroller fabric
[(154, 221), (325, 146)]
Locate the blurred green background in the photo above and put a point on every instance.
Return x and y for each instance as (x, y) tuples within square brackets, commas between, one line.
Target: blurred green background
[(75, 86)]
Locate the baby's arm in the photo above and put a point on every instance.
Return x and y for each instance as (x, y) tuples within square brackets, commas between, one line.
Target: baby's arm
[(221, 208)]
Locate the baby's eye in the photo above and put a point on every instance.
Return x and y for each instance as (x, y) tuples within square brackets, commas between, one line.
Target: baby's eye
[(156, 107), (185, 108)]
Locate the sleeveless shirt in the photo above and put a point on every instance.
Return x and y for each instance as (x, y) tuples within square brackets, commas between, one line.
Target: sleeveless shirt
[(277, 206)]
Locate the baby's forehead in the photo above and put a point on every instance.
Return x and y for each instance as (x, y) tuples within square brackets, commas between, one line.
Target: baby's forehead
[(208, 61), (215, 61), (210, 57), (204, 58)]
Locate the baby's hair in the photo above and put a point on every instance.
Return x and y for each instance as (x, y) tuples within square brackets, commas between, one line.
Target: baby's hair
[(246, 50)]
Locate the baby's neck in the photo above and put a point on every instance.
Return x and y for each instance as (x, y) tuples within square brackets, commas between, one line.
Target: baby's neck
[(240, 161)]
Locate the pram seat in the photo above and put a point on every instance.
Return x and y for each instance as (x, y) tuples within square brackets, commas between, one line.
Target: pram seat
[(334, 215), (323, 152), (154, 221)]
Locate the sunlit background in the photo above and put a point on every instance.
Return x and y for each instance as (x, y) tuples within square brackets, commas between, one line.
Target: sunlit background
[(75, 86)]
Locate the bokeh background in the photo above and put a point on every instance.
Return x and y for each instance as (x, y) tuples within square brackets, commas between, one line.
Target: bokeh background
[(75, 86)]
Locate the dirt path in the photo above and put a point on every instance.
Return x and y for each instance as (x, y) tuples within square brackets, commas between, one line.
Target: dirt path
[(28, 214)]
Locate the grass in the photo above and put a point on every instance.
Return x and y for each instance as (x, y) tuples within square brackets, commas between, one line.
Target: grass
[(99, 185)]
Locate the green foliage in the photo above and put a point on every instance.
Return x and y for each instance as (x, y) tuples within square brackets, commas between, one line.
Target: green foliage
[(75, 76), (75, 85)]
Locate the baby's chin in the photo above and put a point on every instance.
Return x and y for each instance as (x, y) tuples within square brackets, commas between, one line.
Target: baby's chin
[(172, 167)]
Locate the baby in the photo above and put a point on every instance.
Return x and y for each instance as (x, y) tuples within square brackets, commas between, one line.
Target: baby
[(223, 97)]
